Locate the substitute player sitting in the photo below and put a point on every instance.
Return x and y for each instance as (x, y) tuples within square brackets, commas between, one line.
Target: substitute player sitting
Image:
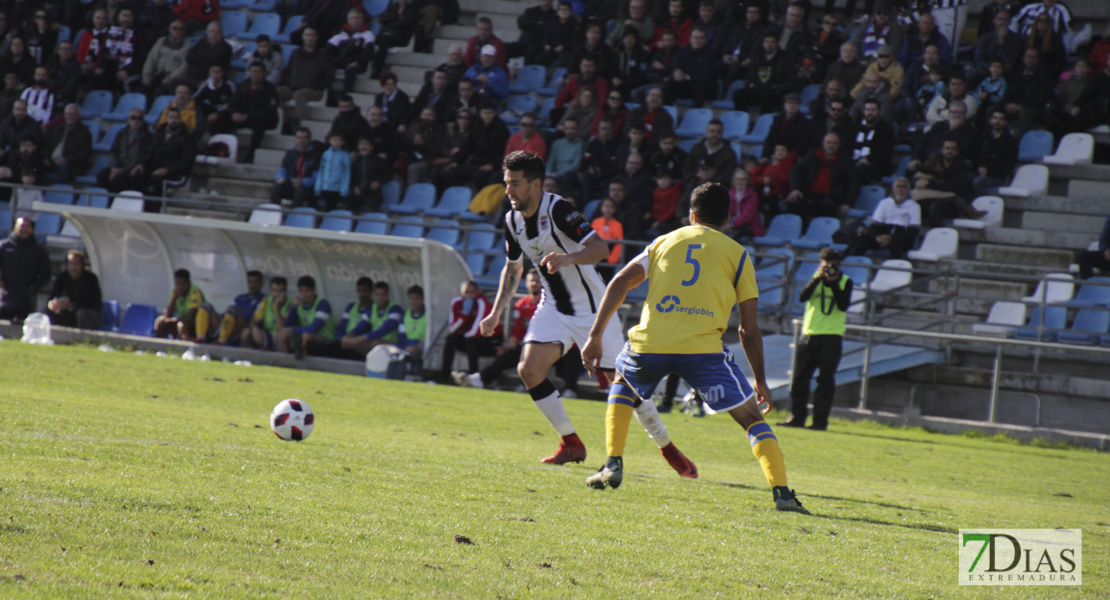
[(188, 316), (695, 275), (556, 238)]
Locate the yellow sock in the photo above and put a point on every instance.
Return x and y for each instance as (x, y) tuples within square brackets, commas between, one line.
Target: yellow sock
[(765, 447), (227, 327), (617, 417)]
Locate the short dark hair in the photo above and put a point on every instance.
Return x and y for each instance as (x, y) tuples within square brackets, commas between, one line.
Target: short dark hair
[(872, 100), (344, 98), (364, 281), (999, 109), (258, 64), (715, 121), (254, 273), (830, 255), (710, 203), (262, 37), (182, 274), (485, 21), (306, 130), (381, 285), (278, 279), (415, 289), (306, 281), (531, 165)]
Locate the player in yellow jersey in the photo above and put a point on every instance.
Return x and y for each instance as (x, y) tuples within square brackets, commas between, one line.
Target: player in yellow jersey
[(695, 274)]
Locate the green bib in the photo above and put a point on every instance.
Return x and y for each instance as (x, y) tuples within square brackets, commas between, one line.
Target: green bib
[(271, 320), (816, 321), (307, 315), (376, 320), (353, 317), (416, 327)]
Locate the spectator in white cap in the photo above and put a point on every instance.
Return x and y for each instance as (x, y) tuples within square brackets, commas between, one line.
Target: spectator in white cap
[(490, 80)]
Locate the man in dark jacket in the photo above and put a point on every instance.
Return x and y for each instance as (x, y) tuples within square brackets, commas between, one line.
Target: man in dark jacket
[(488, 150), (714, 149), (1030, 92), (434, 95), (532, 24), (790, 128), (297, 174), (998, 154), (599, 163), (956, 127), (69, 145), (694, 75), (24, 268), (743, 44), (837, 121), (171, 155), (75, 300), (129, 149), (309, 73), (65, 73), (593, 47), (824, 182), (350, 122), (651, 117), (212, 49), (770, 76), (353, 47), (874, 146), (16, 127), (253, 106)]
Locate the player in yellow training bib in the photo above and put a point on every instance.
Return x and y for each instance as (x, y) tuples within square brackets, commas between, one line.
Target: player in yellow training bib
[(695, 275)]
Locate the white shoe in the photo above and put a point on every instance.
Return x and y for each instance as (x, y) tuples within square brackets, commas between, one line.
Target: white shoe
[(475, 380), (461, 378)]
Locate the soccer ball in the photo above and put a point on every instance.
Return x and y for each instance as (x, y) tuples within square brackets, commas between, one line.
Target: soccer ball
[(292, 420)]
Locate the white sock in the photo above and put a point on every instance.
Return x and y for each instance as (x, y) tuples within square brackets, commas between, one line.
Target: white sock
[(653, 425), (552, 407)]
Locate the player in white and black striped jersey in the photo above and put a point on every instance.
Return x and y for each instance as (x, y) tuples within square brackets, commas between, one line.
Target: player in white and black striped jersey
[(559, 241)]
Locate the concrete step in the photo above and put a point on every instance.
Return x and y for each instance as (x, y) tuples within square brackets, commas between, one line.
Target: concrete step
[(253, 172), (240, 187), (1086, 188), (984, 288), (414, 59), (1053, 221), (1042, 239), (1058, 205), (1015, 255), (369, 87), (1081, 172), (198, 213)]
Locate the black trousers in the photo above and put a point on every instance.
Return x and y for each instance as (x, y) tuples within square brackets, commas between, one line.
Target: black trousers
[(1089, 260), (473, 346), (819, 353)]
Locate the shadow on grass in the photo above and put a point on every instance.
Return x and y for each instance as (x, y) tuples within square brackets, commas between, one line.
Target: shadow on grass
[(883, 437), (920, 526), (743, 486)]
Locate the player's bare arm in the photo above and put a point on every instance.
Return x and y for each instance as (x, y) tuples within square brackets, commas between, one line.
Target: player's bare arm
[(752, 341), (595, 251), (510, 279), (629, 277)]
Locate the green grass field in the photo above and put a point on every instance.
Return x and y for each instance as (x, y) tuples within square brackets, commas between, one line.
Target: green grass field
[(137, 476)]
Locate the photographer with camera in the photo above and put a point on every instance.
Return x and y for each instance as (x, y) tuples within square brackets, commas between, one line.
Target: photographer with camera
[(826, 296)]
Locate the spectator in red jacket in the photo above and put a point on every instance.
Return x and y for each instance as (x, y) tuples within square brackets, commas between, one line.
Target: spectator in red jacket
[(586, 77), (744, 220), (467, 311), (661, 219), (527, 139), (196, 14), (485, 36), (508, 354)]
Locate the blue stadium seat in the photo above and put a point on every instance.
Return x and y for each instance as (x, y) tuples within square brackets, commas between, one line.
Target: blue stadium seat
[(125, 104), (760, 131), (476, 263), (63, 35), (694, 123), (491, 276), (806, 269), (783, 228), (160, 103), (337, 220), (375, 7), (99, 164), (409, 227), (391, 194), (418, 198), (59, 194), (869, 197), (265, 23), (818, 235), (452, 203), (809, 94), (376, 227), (591, 207), (1089, 326), (756, 150), (94, 128), (94, 197), (5, 222), (1055, 318), (138, 319), (262, 6), (687, 144), (857, 268), (726, 101), (518, 106), (286, 52), (770, 278), (545, 110), (96, 103), (736, 124), (290, 26), (554, 84), (445, 231), (233, 23), (673, 110), (109, 315), (1092, 295), (481, 237), (105, 143), (1035, 145), (240, 62), (303, 217), (528, 80), (738, 151), (898, 172)]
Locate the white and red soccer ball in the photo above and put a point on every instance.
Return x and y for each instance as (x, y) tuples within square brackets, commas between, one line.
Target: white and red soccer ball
[(292, 420)]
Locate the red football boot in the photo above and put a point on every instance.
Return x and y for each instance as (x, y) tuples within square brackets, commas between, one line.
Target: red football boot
[(678, 461), (571, 449)]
